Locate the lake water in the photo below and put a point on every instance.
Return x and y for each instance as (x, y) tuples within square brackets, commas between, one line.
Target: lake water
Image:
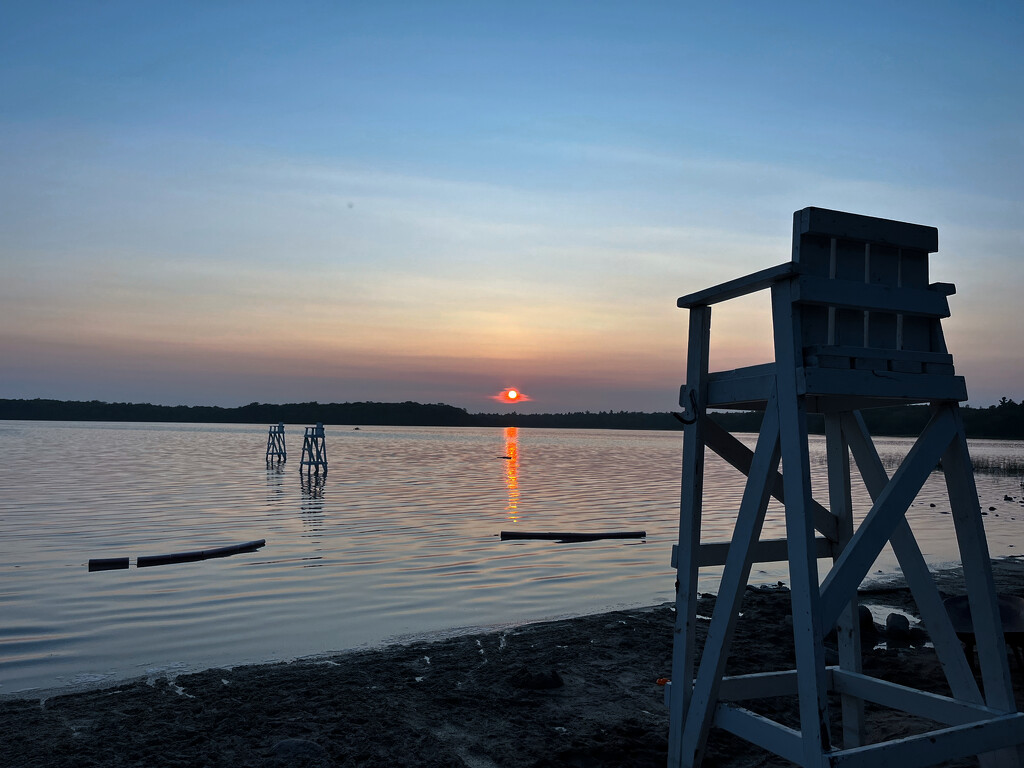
[(399, 539)]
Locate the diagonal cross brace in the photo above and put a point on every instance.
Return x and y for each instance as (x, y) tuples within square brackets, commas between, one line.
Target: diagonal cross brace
[(915, 570), (888, 510), (704, 699), (739, 456)]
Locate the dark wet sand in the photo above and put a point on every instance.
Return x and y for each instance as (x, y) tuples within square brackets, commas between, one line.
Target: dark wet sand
[(578, 692)]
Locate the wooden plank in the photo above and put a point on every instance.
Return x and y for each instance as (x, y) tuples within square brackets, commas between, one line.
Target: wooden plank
[(762, 731), (933, 747), (690, 501), (812, 252), (981, 590), (569, 536), (746, 531), (866, 229), (764, 370), (739, 456), (743, 385), (803, 570), (913, 267), (881, 268), (915, 333), (886, 513), (876, 359), (932, 706), (146, 561), (839, 362), (849, 323), (766, 551), (937, 340), (908, 366), (817, 256), (867, 362), (917, 387), (939, 369), (739, 287), (758, 685), (840, 495), (891, 354), (915, 570), (862, 296)]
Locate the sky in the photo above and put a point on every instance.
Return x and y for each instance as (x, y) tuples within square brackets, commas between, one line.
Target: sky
[(219, 203)]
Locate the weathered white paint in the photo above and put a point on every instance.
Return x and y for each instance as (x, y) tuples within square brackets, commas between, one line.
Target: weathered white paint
[(856, 325)]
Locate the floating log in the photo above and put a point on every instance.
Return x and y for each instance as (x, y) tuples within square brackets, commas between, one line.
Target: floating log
[(108, 564), (571, 536), (199, 554)]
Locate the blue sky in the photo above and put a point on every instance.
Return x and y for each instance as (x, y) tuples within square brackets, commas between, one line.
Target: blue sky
[(223, 202)]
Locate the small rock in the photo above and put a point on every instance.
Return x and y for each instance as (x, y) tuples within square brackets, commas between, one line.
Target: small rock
[(867, 621), (897, 624), (991, 509)]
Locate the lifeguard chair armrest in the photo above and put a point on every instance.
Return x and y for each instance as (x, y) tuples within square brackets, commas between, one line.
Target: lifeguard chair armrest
[(739, 287)]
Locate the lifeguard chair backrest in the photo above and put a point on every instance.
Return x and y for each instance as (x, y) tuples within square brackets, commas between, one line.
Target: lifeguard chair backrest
[(847, 247)]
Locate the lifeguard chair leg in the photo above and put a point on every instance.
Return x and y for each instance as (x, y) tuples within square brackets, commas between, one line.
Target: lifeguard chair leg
[(701, 710), (803, 567), (915, 570), (848, 627), (690, 506), (981, 590)]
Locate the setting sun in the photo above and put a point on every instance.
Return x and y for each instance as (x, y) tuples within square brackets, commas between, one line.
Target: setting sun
[(511, 395)]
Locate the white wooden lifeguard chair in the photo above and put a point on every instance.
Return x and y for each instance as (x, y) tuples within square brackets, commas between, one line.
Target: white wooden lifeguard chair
[(856, 326), (276, 450), (314, 450)]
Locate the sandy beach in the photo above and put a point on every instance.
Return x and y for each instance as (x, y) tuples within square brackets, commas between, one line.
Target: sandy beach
[(577, 692)]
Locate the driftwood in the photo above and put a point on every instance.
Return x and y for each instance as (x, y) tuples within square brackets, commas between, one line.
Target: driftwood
[(108, 564), (144, 561), (570, 536), (201, 554)]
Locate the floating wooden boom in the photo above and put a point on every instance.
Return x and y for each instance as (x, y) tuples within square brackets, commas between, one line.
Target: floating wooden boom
[(200, 554), (108, 564), (570, 536)]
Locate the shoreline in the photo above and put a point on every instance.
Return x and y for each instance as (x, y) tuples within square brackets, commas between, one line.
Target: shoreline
[(577, 692)]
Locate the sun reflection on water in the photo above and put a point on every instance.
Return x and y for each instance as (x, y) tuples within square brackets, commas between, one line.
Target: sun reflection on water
[(512, 472)]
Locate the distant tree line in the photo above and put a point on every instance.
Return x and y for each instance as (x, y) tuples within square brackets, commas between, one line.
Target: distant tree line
[(1003, 420), (398, 414)]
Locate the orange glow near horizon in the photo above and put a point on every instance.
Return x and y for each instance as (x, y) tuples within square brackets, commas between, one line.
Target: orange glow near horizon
[(512, 472), (511, 395)]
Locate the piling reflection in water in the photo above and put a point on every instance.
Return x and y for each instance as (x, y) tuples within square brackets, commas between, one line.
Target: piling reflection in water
[(512, 472), (313, 490), (312, 509), (275, 479)]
